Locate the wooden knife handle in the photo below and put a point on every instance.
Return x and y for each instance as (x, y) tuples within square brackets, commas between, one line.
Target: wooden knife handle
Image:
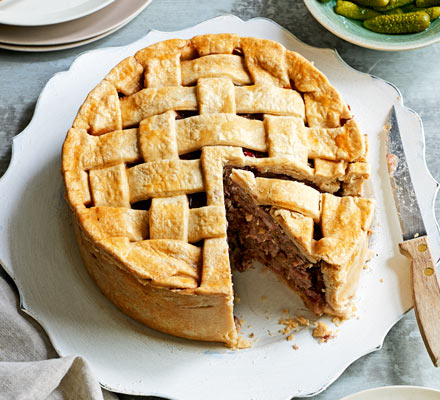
[(426, 293)]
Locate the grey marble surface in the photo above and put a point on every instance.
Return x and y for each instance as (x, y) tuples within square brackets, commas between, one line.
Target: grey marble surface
[(403, 359)]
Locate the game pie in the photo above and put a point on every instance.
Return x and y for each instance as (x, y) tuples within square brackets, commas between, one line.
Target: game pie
[(195, 154)]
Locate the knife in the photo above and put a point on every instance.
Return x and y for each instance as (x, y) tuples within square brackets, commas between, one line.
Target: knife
[(415, 245)]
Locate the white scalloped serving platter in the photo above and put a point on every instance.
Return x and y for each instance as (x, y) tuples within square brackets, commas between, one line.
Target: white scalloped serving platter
[(39, 250)]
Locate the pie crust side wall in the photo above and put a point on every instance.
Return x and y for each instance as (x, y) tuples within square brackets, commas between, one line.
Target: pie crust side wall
[(341, 285), (186, 315)]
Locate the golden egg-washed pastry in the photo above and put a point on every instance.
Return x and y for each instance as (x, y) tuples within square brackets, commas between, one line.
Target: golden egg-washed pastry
[(194, 150)]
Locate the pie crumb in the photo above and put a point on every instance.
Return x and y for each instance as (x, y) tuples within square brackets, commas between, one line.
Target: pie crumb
[(285, 311), (295, 347), (289, 324), (381, 280), (290, 337), (236, 299), (263, 298), (251, 335), (303, 321), (242, 343), (322, 332), (337, 321)]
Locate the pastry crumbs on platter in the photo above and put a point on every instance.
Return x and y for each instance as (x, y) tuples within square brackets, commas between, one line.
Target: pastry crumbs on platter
[(295, 347), (251, 335), (289, 324), (337, 321), (290, 337), (303, 321), (242, 343), (322, 332), (284, 331)]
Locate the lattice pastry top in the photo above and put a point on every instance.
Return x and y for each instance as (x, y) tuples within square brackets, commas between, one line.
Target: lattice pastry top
[(151, 141)]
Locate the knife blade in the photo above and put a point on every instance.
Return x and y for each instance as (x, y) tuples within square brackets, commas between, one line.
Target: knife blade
[(408, 210), (415, 245)]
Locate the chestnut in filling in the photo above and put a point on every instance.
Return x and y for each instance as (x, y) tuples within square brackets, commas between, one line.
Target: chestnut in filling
[(254, 235)]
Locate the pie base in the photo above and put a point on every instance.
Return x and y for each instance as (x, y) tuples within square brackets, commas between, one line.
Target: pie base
[(179, 313)]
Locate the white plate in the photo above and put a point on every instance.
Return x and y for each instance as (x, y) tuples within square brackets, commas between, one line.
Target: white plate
[(96, 24), (39, 250), (46, 12), (396, 393), (37, 49)]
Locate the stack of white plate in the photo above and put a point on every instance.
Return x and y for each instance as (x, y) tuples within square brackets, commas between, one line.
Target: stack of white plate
[(47, 25)]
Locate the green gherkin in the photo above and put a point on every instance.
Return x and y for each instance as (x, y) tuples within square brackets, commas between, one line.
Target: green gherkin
[(394, 4), (351, 10), (372, 3), (399, 23), (433, 12), (427, 3)]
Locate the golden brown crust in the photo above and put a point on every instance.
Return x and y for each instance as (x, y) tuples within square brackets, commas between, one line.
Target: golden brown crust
[(101, 111), (125, 147), (180, 313)]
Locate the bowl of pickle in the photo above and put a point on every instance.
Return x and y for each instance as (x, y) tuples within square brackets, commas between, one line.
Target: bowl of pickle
[(388, 25)]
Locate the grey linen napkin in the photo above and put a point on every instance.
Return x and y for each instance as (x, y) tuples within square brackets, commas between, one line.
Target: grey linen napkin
[(30, 367)]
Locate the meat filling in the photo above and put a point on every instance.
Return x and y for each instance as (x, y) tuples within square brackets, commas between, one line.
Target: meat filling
[(254, 235)]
